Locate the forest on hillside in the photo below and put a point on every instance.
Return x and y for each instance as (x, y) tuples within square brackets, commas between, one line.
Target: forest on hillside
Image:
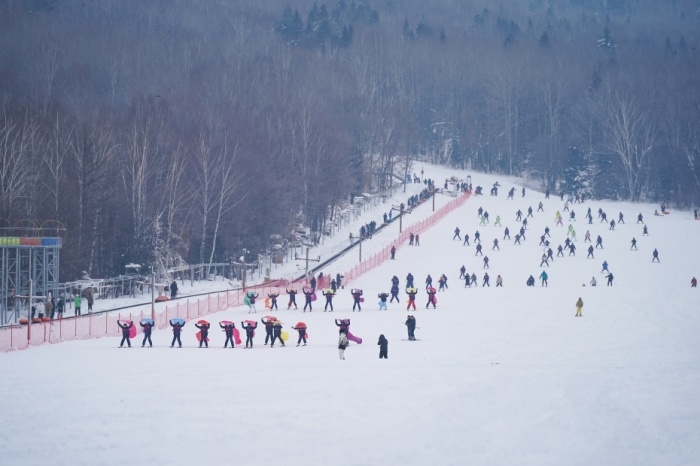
[(173, 131)]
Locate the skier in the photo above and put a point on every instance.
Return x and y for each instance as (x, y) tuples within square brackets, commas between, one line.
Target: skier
[(204, 333), (431, 297), (486, 262), (634, 243), (645, 231), (594, 282), (529, 212), (269, 327), (545, 260), (411, 292), (544, 277), (462, 270), (466, 239), (599, 242), (277, 333), (477, 236), (497, 223), (610, 279), (518, 216), (655, 256), (474, 280), (383, 347), (356, 297), (478, 250), (456, 234), (411, 327), (495, 245), (612, 224), (499, 281), (621, 218), (382, 301), (605, 267), (590, 252), (329, 299), (395, 293), (572, 249), (301, 328), (177, 329), (417, 240), (308, 295), (540, 207), (640, 218), (579, 307), (587, 238), (506, 234), (693, 282), (273, 300), (517, 239), (409, 280), (342, 344), (147, 328), (228, 329), (486, 280), (125, 333), (249, 328), (428, 281), (252, 296), (292, 299), (560, 251), (442, 283)]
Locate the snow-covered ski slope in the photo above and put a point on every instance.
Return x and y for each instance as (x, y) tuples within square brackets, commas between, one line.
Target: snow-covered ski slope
[(502, 375)]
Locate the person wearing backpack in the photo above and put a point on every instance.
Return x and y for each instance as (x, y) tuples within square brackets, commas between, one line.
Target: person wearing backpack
[(342, 344)]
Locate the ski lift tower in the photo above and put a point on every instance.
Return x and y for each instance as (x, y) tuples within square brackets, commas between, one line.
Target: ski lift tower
[(28, 252)]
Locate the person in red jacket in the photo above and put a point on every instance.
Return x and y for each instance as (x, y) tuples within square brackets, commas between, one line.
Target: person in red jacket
[(411, 292), (301, 328), (431, 297)]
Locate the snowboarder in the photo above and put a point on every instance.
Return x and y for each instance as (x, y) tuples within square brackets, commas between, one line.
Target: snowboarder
[(579, 307), (383, 347), (126, 328)]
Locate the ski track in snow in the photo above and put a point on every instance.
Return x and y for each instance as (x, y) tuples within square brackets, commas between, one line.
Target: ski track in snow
[(501, 376)]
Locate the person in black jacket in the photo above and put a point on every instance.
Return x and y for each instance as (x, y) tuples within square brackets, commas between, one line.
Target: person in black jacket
[(302, 334), (249, 332), (177, 329), (409, 280), (277, 333), (125, 333), (382, 300), (173, 289), (269, 327), (329, 299), (228, 329), (204, 333), (308, 293), (356, 297), (343, 324), (147, 327), (273, 300), (292, 299), (411, 327), (383, 347)]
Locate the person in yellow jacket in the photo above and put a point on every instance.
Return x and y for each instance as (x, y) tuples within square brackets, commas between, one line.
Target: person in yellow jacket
[(579, 307)]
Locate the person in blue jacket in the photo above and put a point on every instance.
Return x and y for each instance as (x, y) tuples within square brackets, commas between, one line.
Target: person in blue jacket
[(147, 327), (126, 328), (544, 277), (177, 329), (383, 347)]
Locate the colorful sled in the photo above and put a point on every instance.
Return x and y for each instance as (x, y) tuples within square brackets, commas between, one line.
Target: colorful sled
[(300, 325), (246, 300), (237, 336), (160, 299), (147, 321), (178, 320), (284, 335), (313, 296), (267, 303), (132, 330), (199, 336)]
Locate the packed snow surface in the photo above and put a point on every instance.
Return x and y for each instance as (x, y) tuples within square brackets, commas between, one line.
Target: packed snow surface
[(500, 375)]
